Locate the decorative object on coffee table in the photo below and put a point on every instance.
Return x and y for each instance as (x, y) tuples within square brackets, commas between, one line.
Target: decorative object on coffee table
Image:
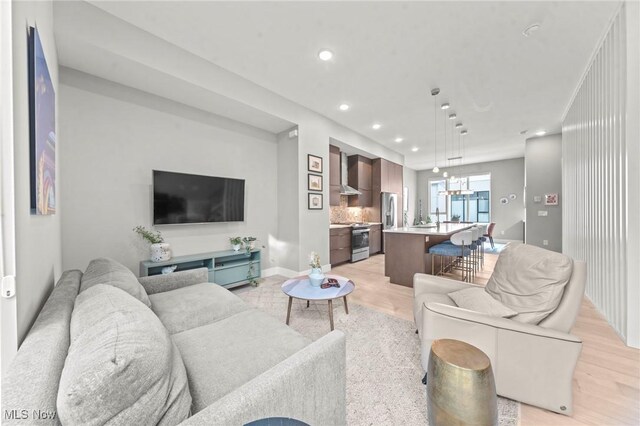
[(460, 386), (316, 277), (301, 288), (159, 250)]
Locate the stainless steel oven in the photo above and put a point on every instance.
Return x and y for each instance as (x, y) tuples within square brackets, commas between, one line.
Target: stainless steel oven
[(359, 242)]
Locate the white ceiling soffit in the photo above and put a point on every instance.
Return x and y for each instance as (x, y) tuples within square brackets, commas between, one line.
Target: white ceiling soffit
[(388, 55), (102, 60)]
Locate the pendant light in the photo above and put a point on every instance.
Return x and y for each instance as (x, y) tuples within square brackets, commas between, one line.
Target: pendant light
[(444, 108), (453, 135), (434, 93)]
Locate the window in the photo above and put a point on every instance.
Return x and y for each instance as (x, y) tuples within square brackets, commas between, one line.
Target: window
[(474, 207)]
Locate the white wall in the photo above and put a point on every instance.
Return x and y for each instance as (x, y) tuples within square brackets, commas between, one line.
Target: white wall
[(38, 263), (115, 136), (140, 64), (286, 247), (543, 175), (410, 181), (601, 188), (507, 177)]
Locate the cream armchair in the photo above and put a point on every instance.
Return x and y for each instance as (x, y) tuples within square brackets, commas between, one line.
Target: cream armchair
[(531, 363)]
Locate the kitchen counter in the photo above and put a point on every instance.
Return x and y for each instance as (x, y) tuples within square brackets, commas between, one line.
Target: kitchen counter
[(407, 249), (444, 229), (345, 225)]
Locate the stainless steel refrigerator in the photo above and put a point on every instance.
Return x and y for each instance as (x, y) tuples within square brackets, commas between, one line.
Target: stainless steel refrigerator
[(388, 212)]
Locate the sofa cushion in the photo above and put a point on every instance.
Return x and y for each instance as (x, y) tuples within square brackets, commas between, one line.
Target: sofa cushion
[(122, 367), (224, 355), (195, 305), (478, 300), (530, 280), (108, 271)]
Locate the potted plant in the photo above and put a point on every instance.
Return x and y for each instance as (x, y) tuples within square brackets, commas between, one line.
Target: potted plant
[(236, 243), (249, 244), (159, 250), (316, 277), (455, 218)]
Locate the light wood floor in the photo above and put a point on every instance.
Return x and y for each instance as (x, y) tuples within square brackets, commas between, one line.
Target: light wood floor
[(606, 384)]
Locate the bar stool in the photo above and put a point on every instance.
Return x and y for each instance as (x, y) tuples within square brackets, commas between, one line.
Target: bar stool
[(463, 244), (482, 240)]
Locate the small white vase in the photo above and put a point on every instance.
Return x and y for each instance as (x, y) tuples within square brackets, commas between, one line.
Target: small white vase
[(236, 247), (160, 252)]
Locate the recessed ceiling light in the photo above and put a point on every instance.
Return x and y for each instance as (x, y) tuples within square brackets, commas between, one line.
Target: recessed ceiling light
[(414, 149), (453, 116), (458, 125), (445, 106), (527, 32), (343, 107), (376, 126), (463, 132), (541, 133), (398, 140), (325, 54)]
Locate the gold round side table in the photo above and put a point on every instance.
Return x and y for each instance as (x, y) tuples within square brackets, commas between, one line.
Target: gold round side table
[(460, 386)]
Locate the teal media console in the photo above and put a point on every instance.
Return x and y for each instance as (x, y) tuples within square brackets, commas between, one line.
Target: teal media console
[(227, 268)]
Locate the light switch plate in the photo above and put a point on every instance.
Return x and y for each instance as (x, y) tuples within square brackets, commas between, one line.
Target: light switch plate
[(543, 213)]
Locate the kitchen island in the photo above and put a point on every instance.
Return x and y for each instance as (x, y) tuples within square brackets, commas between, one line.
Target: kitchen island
[(406, 249)]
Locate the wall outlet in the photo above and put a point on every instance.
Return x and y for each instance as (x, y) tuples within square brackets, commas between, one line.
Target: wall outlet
[(545, 242), (543, 213)]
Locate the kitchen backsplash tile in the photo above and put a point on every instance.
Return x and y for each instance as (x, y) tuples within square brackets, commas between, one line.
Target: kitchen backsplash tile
[(345, 214)]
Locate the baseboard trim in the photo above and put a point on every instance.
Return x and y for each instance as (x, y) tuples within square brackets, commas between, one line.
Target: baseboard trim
[(277, 270)]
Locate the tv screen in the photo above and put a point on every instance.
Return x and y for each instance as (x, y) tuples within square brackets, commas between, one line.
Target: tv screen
[(185, 198)]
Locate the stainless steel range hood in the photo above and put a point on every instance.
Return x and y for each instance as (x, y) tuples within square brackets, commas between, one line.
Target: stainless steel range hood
[(345, 189)]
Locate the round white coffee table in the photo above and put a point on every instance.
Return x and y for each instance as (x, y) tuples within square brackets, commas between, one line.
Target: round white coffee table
[(301, 288)]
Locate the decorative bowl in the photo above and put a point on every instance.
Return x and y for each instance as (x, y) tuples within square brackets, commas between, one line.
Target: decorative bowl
[(316, 279)]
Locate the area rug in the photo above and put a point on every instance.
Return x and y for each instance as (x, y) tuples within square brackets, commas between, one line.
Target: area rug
[(383, 357), (498, 247)]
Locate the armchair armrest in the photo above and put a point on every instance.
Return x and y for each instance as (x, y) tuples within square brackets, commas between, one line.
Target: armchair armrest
[(161, 283), (309, 386), (424, 283), (500, 323)]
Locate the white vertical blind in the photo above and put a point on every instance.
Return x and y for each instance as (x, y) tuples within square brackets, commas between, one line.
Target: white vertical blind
[(594, 177)]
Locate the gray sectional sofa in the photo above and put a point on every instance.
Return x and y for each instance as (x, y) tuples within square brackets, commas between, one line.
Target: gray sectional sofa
[(108, 348)]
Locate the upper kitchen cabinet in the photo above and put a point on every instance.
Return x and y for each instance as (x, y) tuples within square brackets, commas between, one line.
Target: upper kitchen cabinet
[(334, 175), (360, 178)]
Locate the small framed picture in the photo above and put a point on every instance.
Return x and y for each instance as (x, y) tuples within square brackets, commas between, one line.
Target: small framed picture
[(551, 199), (315, 201), (314, 163), (314, 182)]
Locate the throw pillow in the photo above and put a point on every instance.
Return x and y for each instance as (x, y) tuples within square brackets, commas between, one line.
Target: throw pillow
[(122, 366), (108, 271), (478, 300), (530, 280)]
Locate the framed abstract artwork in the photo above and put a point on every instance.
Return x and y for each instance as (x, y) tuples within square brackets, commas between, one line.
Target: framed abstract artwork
[(551, 199), (314, 163), (315, 201), (314, 182), (42, 130)]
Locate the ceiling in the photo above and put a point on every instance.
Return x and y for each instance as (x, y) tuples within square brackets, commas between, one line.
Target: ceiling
[(389, 55)]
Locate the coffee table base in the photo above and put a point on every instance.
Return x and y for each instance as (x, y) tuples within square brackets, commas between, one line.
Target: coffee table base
[(346, 309)]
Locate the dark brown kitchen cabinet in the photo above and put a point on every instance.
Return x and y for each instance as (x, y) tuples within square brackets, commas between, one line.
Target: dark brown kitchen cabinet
[(375, 239), (386, 177), (360, 179), (334, 175), (339, 245)]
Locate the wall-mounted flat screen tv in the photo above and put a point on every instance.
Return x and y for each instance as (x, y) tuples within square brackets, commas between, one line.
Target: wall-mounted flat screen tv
[(184, 198)]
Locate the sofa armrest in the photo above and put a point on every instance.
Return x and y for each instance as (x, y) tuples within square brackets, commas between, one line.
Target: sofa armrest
[(309, 386), (424, 283), (500, 323), (161, 283)]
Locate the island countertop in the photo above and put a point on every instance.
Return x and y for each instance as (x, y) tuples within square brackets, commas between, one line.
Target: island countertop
[(432, 229)]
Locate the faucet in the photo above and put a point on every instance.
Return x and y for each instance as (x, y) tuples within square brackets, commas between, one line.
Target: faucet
[(437, 217)]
